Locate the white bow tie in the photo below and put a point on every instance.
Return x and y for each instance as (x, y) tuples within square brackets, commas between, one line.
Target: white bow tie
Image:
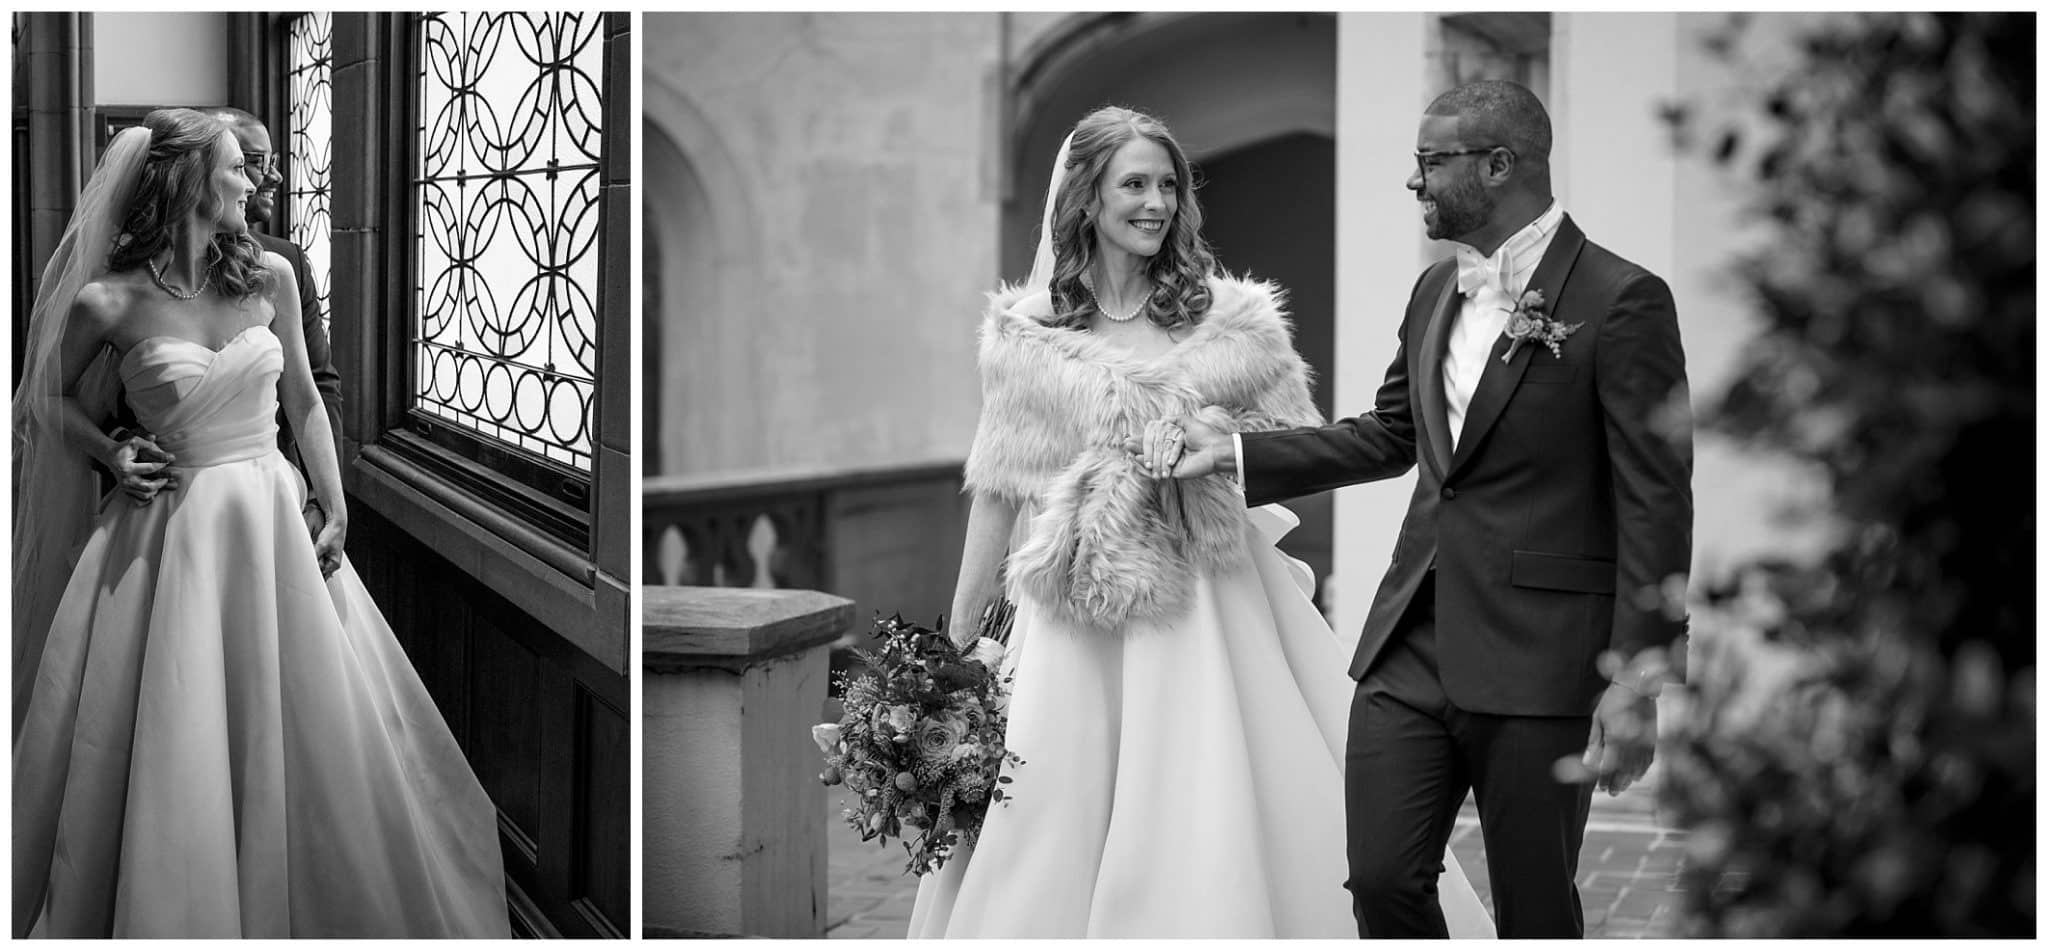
[(1475, 272)]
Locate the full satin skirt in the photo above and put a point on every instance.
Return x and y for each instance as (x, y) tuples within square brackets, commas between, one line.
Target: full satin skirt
[(221, 743), (1182, 779)]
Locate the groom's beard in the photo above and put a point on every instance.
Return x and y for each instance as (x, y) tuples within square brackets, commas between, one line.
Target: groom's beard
[(1461, 208), (260, 207)]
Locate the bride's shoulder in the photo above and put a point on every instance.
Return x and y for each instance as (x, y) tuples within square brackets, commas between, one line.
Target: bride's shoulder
[(283, 280), (103, 300), (1036, 305), (1245, 300), (1016, 307)]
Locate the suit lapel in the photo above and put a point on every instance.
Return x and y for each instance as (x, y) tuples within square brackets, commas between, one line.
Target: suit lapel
[(1499, 380), (1436, 416)]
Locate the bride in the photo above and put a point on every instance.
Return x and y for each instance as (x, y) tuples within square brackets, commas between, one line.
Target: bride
[(1179, 703), (211, 738)]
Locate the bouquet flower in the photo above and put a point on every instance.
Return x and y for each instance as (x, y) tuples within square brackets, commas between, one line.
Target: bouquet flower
[(920, 745)]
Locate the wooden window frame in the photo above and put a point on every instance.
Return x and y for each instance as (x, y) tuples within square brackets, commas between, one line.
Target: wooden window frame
[(568, 568)]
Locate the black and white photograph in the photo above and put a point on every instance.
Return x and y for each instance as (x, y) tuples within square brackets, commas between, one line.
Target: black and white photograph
[(322, 475), (1328, 475)]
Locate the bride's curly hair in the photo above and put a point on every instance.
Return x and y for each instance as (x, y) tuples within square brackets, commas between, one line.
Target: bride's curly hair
[(1179, 272), (176, 181)]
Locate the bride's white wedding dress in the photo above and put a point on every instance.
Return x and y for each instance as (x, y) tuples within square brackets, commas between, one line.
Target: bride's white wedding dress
[(1183, 779), (221, 743)]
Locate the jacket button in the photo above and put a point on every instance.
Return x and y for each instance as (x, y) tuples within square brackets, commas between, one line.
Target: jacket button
[(1449, 493)]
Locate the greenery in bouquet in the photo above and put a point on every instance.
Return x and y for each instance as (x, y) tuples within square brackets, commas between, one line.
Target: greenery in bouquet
[(920, 745), (1856, 756)]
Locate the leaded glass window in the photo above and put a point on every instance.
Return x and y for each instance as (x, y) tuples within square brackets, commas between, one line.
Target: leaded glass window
[(506, 231), (309, 170)]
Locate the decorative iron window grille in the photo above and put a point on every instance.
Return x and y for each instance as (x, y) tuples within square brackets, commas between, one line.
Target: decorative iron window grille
[(507, 219), (310, 167)]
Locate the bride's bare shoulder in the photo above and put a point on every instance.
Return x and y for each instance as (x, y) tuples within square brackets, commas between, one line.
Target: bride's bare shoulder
[(277, 265), (104, 301)]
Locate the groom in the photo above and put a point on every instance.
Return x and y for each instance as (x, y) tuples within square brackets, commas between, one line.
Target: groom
[(1523, 621)]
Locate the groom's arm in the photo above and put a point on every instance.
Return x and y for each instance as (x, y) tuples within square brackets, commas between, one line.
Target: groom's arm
[(319, 349), (1273, 466), (1639, 374)]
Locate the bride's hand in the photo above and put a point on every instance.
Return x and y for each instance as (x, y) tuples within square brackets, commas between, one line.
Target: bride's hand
[(139, 465), (1184, 448), (329, 544), (961, 626)]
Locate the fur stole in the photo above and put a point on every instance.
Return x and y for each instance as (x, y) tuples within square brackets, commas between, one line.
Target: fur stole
[(1109, 545)]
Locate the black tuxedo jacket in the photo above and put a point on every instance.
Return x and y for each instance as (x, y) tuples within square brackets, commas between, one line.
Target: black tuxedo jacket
[(1567, 506)]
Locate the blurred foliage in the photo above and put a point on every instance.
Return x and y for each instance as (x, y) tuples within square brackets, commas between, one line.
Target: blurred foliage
[(1857, 755)]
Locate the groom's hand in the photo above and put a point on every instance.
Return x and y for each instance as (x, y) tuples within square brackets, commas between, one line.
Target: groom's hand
[(141, 467), (1184, 448), (1623, 742)]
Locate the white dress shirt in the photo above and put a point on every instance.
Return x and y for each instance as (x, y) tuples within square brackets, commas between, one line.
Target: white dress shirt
[(1482, 317), (1491, 286)]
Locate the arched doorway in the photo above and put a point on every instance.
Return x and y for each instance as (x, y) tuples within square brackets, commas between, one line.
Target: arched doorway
[(1253, 99), (698, 242), (650, 349), (678, 222)]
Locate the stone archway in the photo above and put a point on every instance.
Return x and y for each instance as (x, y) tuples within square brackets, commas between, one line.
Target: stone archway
[(1253, 99), (701, 239)]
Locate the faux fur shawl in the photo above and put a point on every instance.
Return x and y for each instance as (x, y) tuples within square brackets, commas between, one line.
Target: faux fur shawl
[(1110, 545)]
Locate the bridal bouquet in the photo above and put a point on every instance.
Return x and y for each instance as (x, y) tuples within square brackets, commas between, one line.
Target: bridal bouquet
[(920, 746)]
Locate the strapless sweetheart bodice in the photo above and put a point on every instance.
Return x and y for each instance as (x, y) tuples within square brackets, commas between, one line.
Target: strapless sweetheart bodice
[(207, 407)]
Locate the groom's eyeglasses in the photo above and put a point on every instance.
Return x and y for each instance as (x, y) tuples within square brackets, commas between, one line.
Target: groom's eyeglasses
[(1422, 159), (260, 164)]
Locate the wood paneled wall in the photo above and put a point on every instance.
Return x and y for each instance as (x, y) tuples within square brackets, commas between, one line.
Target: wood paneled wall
[(544, 725)]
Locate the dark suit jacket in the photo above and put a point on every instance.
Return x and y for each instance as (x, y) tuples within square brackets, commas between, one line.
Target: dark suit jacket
[(1566, 507), (318, 352)]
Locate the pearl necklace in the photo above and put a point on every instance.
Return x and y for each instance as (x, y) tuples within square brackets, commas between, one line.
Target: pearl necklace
[(158, 277), (1088, 281)]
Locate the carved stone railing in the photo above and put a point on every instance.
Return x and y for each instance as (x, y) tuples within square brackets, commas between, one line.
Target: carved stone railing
[(754, 534), (733, 831)]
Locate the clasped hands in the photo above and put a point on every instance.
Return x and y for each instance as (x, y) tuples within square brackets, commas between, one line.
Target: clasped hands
[(141, 468), (1193, 445)]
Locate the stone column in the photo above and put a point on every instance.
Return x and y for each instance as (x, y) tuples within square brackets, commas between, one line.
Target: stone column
[(54, 70), (1612, 163), (733, 837), (1381, 73)]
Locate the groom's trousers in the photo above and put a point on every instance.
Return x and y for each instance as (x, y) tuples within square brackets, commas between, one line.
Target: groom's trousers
[(1410, 759)]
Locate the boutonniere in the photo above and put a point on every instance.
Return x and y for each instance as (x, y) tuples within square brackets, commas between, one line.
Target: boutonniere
[(1530, 321)]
